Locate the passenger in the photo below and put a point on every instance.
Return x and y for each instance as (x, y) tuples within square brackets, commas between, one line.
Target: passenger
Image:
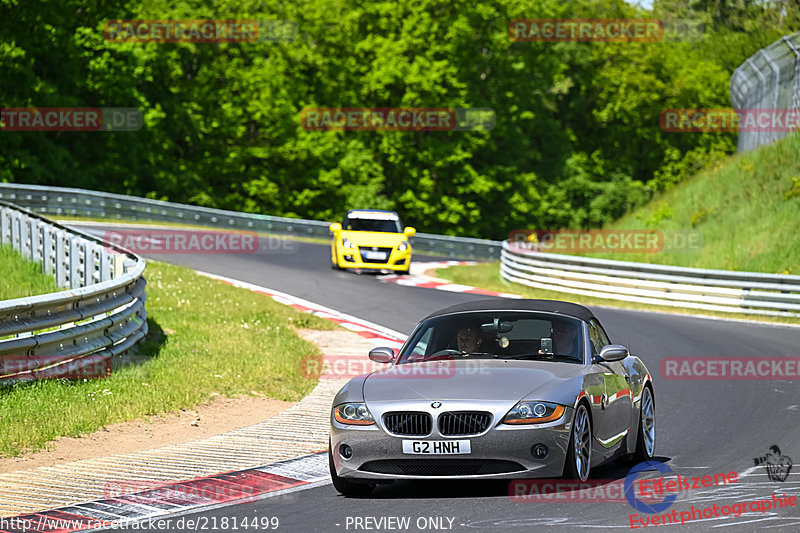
[(565, 339)]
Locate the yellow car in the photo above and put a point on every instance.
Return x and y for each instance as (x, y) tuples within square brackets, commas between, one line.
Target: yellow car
[(371, 239)]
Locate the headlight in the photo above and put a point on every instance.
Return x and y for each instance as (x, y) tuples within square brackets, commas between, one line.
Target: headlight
[(346, 243), (402, 246), (534, 413), (355, 414)]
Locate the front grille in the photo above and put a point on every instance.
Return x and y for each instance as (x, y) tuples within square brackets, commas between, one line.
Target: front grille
[(464, 422), (410, 423), (387, 251), (441, 467)]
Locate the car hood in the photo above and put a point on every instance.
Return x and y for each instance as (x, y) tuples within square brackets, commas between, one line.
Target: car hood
[(478, 379), (374, 238)]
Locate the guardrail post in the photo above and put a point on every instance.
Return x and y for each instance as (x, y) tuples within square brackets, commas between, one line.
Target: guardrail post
[(119, 265), (15, 230), (5, 226), (61, 259), (36, 240), (74, 264), (105, 265), (24, 243), (89, 266), (48, 253)]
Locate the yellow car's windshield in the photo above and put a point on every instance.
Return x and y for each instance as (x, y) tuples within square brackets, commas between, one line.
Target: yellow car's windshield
[(379, 221)]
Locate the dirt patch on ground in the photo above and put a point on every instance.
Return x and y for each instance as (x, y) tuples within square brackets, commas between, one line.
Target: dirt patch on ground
[(202, 421)]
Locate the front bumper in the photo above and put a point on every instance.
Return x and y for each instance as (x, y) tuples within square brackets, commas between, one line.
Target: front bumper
[(352, 258), (504, 451)]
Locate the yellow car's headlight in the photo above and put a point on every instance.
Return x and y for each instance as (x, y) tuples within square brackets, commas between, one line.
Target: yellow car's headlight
[(346, 243)]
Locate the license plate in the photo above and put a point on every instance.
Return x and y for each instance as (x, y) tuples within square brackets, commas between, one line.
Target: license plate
[(377, 256), (436, 447)]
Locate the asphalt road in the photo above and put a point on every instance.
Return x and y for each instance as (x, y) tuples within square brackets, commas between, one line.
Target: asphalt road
[(703, 427)]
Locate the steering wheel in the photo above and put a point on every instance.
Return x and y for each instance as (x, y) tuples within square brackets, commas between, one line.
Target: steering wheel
[(443, 353)]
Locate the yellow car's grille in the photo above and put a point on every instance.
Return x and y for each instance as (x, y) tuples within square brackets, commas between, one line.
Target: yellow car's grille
[(374, 254)]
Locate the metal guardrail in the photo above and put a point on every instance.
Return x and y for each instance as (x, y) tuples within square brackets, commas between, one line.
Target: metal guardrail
[(100, 316), (78, 202), (769, 79), (690, 288)]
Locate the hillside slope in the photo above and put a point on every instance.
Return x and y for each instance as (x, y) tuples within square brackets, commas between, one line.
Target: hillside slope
[(747, 209)]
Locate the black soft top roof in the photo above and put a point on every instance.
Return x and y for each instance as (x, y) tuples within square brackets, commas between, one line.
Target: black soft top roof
[(507, 304)]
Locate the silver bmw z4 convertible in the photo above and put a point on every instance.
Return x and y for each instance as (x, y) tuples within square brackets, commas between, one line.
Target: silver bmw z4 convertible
[(493, 389)]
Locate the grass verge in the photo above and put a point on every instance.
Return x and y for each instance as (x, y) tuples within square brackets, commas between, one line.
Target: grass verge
[(21, 277), (206, 338), (487, 276)]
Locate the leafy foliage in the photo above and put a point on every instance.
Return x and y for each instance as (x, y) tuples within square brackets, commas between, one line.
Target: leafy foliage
[(576, 143)]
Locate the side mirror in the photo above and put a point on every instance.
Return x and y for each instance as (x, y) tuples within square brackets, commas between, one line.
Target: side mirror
[(613, 352), (409, 231), (335, 227), (381, 355)]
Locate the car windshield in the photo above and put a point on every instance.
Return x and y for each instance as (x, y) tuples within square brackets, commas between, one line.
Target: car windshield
[(363, 222), (496, 335)]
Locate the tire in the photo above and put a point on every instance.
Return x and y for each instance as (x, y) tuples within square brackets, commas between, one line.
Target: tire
[(335, 262), (579, 453), (344, 486), (646, 437)]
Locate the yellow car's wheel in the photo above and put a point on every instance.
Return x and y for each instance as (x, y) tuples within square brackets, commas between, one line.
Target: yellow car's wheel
[(334, 260)]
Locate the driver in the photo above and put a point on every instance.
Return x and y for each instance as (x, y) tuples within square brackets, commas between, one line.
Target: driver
[(469, 339)]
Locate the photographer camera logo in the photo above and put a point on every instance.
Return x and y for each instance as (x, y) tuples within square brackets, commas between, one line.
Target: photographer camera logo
[(777, 465)]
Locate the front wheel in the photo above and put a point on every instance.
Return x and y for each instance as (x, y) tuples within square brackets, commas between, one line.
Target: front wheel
[(579, 453), (335, 259), (646, 439), (344, 486)]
